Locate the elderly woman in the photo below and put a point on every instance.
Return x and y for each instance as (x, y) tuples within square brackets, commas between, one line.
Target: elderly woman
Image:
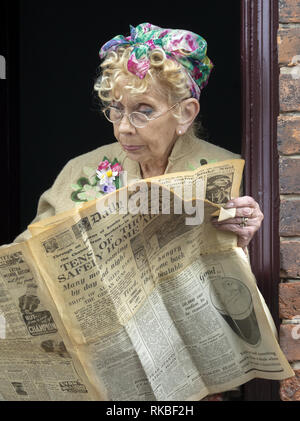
[(150, 86)]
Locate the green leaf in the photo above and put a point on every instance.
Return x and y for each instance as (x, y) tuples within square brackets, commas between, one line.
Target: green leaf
[(82, 181), (105, 159), (93, 180), (82, 196), (115, 161), (74, 196), (117, 182)]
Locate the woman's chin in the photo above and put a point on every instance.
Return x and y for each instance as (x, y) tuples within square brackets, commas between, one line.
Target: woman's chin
[(135, 155)]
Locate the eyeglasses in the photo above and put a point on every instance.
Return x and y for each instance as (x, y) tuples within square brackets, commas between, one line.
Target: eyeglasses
[(136, 118)]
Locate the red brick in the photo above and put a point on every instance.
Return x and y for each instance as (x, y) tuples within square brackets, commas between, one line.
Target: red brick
[(288, 40), (289, 337), (289, 11), (288, 134), (289, 180), (289, 93), (289, 223), (290, 259), (290, 388), (289, 300)]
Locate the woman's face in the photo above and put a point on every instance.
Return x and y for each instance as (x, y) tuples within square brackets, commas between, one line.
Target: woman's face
[(154, 142)]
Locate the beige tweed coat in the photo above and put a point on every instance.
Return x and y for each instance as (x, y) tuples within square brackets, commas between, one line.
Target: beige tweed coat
[(186, 153)]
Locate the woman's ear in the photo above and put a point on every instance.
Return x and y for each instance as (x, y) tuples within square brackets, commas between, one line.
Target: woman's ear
[(189, 110)]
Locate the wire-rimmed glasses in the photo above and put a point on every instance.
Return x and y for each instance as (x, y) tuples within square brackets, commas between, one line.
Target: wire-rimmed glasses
[(136, 118)]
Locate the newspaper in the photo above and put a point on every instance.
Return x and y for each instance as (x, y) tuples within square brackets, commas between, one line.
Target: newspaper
[(122, 299)]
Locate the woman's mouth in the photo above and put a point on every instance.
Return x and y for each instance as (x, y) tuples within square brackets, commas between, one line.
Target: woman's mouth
[(132, 148)]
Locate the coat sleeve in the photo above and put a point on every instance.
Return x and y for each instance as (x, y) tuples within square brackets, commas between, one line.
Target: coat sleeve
[(57, 199), (50, 199)]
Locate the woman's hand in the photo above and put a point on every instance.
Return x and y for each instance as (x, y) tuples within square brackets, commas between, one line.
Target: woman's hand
[(247, 220)]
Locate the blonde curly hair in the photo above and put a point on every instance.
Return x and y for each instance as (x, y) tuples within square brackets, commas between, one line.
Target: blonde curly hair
[(165, 75)]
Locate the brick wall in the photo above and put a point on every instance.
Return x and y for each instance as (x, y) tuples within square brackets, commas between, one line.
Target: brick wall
[(289, 181)]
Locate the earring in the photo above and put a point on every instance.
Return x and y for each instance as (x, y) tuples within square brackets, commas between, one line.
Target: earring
[(179, 132)]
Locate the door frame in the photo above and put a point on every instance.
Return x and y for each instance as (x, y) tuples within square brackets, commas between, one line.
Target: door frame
[(260, 109)]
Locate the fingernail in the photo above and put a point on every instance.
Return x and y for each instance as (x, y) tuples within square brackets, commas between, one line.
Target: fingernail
[(229, 205)]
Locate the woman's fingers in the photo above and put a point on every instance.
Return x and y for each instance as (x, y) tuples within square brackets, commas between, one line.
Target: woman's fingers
[(239, 220), (242, 202), (245, 212), (246, 222)]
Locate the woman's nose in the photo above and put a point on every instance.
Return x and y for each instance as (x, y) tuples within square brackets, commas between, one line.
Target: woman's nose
[(125, 124)]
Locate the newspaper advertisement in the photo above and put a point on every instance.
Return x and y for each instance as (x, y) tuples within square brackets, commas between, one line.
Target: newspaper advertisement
[(136, 303)]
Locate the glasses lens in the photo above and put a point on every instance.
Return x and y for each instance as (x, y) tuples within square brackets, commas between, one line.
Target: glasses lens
[(112, 114), (138, 119)]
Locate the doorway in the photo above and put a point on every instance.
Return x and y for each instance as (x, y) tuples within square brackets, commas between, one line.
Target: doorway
[(48, 116)]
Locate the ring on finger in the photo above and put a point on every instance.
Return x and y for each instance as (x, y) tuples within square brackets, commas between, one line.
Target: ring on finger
[(244, 222)]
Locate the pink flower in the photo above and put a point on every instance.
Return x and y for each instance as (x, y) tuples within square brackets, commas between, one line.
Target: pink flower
[(151, 44), (103, 165), (117, 168), (107, 175), (138, 67)]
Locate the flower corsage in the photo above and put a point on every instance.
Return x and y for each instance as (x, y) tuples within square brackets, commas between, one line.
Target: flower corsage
[(104, 180)]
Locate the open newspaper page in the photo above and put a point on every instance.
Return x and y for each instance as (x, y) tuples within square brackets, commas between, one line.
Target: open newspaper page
[(150, 307), (34, 362)]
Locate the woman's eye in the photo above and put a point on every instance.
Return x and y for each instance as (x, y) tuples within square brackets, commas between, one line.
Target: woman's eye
[(147, 111)]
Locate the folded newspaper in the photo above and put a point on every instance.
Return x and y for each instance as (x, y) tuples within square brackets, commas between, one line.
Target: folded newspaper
[(136, 296)]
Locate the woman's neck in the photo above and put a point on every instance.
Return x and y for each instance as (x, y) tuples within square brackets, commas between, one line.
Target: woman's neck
[(148, 170), (156, 166)]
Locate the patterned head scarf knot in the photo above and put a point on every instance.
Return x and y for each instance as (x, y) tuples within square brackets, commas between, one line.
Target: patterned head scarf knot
[(187, 48)]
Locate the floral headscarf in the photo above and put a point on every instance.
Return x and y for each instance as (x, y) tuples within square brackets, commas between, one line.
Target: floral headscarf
[(187, 48)]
